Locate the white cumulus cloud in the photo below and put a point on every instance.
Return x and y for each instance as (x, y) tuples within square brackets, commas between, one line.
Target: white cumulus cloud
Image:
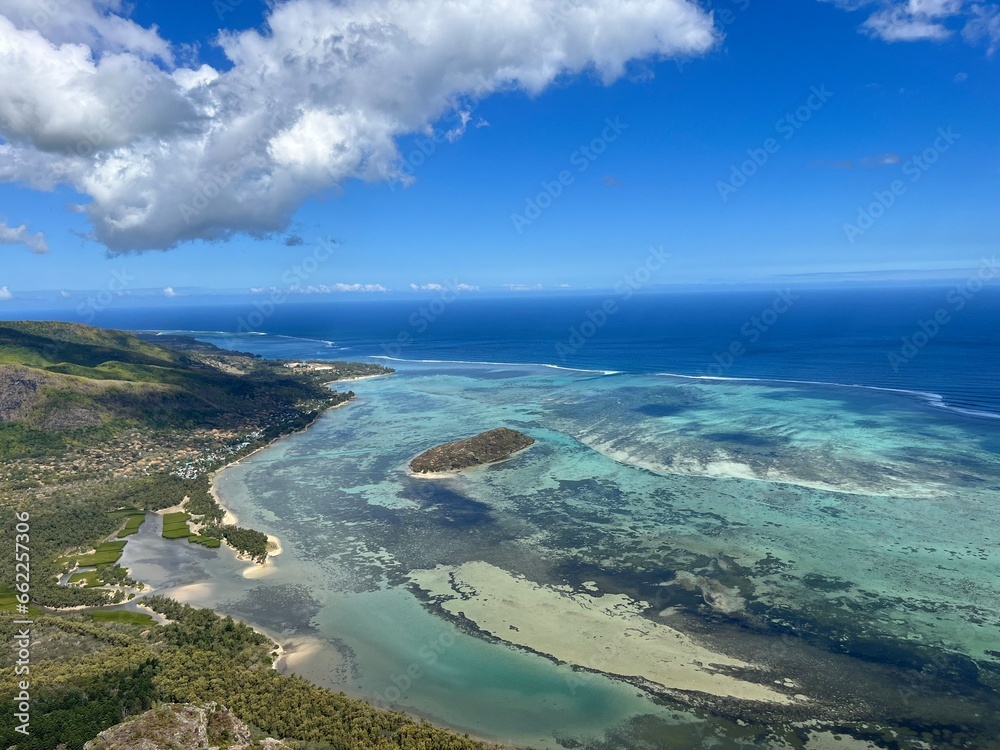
[(452, 285), (899, 24), (5, 293), (332, 288), (930, 20), (168, 153), (984, 26), (19, 235), (359, 288), (99, 25)]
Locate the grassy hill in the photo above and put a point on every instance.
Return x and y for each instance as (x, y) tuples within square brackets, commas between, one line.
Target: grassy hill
[(66, 387), (43, 343)]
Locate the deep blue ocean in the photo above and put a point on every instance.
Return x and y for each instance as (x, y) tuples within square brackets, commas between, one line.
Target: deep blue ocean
[(941, 340)]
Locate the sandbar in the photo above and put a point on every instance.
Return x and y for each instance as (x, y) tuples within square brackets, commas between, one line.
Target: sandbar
[(606, 634)]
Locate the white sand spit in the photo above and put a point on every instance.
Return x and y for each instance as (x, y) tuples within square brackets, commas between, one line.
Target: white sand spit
[(192, 593), (256, 570)]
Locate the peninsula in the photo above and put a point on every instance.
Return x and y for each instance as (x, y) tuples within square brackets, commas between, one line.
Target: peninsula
[(484, 448)]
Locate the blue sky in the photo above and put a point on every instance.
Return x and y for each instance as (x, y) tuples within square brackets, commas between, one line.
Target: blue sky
[(791, 138)]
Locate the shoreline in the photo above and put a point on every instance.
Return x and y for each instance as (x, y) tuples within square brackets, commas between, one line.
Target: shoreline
[(290, 653), (359, 377), (252, 570), (231, 518)]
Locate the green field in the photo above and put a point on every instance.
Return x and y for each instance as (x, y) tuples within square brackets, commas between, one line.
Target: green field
[(175, 525), (123, 616), (205, 541), (106, 554), (88, 578), (132, 524)]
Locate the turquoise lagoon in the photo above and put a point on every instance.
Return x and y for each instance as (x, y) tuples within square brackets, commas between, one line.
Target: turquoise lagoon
[(856, 528)]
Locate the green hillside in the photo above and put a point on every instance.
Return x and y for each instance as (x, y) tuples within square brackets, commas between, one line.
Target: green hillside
[(42, 343), (65, 385)]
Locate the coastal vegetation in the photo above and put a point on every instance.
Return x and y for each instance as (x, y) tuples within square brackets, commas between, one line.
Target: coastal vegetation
[(200, 503), (105, 554), (205, 541), (484, 448), (95, 669), (98, 428), (79, 403), (249, 542)]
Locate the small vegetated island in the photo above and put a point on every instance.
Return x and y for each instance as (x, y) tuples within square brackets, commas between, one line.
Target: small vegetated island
[(484, 448)]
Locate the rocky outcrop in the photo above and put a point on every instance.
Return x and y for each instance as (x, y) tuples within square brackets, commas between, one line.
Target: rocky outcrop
[(720, 598), (182, 725), (18, 392), (484, 448)]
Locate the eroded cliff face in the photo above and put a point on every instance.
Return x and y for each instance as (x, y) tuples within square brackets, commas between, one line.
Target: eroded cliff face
[(477, 450)]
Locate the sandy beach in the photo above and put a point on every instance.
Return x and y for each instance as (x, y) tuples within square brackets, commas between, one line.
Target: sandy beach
[(296, 652), (258, 570), (253, 569), (193, 592), (606, 633), (274, 548), (430, 474), (359, 377)]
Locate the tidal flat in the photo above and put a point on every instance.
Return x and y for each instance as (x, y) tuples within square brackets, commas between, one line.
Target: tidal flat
[(831, 548)]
